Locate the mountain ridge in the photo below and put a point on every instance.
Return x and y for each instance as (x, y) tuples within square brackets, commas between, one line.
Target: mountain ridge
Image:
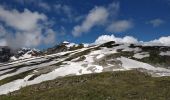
[(63, 60)]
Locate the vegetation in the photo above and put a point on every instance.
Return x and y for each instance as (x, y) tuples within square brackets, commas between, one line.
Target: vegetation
[(155, 58), (123, 53), (125, 85), (15, 77)]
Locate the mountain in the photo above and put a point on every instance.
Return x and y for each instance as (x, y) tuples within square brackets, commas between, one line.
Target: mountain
[(25, 53), (7, 54), (70, 59), (64, 46)]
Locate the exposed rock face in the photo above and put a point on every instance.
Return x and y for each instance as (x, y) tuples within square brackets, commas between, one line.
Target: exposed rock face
[(58, 48), (25, 53), (64, 46), (32, 52), (5, 54)]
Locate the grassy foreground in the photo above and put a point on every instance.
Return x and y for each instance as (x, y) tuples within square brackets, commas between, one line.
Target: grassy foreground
[(127, 85)]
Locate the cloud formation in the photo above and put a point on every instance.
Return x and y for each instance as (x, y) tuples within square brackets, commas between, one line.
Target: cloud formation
[(24, 21), (120, 26), (2, 31), (162, 41), (29, 29), (62, 9), (2, 42), (107, 38), (97, 16), (106, 16), (156, 22)]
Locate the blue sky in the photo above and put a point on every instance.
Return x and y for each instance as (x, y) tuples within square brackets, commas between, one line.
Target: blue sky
[(43, 23)]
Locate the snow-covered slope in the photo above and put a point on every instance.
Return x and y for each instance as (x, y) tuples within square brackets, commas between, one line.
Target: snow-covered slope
[(80, 60), (25, 53)]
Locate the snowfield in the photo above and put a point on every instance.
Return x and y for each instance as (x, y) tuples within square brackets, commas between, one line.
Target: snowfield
[(53, 66)]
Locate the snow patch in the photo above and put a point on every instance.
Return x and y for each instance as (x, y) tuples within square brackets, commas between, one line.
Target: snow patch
[(100, 56), (167, 53), (141, 55), (133, 64)]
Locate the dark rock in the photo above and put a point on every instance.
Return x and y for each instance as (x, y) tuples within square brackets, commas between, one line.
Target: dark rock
[(5, 54)]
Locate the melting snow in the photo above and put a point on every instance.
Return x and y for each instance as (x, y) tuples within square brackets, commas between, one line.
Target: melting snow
[(141, 55), (167, 53), (100, 56), (75, 68), (70, 69), (131, 64)]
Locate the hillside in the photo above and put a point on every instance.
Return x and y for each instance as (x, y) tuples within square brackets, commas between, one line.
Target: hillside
[(69, 59), (125, 85)]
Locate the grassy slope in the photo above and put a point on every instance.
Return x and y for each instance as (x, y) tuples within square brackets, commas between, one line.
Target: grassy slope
[(128, 85)]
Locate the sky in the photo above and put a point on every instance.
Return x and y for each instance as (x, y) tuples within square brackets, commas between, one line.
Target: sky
[(44, 23)]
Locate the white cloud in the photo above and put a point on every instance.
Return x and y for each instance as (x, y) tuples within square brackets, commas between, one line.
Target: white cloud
[(120, 26), (162, 41), (24, 39), (2, 34), (24, 21), (97, 16), (129, 39), (3, 42), (2, 31), (105, 16), (79, 18), (30, 29), (50, 36), (107, 38), (156, 22), (30, 39)]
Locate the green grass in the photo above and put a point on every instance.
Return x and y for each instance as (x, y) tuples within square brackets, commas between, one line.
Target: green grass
[(156, 59), (127, 85)]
